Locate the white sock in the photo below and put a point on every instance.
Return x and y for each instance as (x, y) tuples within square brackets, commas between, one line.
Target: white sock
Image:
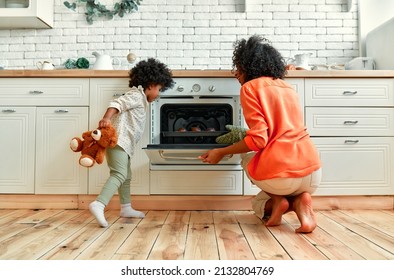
[(127, 211), (97, 209)]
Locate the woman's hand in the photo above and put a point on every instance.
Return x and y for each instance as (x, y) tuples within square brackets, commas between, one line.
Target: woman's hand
[(212, 156), (216, 155)]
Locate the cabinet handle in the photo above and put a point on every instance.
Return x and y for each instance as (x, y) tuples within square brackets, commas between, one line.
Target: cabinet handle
[(350, 122), (61, 111), (351, 141), (36, 92), (8, 111), (348, 92), (118, 94)]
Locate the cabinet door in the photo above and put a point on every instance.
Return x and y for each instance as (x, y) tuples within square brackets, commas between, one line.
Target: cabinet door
[(356, 166), (101, 92), (17, 149), (36, 14), (249, 187), (57, 167)]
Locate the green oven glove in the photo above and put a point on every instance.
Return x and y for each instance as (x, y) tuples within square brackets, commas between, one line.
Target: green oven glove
[(236, 134)]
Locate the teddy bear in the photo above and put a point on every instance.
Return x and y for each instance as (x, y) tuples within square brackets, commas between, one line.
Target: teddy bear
[(93, 144)]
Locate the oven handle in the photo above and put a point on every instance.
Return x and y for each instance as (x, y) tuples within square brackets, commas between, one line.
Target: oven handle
[(163, 156)]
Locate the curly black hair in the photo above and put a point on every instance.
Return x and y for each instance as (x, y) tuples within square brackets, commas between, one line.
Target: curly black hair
[(256, 57), (151, 72)]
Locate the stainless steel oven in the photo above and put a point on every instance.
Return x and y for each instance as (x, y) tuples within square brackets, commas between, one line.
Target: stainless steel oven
[(186, 120), (184, 123)]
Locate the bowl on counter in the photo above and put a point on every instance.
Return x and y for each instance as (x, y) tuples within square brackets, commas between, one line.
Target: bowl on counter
[(16, 4)]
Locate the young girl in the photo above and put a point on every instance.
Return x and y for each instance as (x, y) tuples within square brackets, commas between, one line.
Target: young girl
[(127, 114), (278, 154)]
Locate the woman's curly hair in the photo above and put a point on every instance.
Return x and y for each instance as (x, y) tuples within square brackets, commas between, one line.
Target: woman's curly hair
[(151, 72), (256, 57)]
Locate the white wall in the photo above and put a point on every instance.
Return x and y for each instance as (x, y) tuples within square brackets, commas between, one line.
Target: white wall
[(191, 34)]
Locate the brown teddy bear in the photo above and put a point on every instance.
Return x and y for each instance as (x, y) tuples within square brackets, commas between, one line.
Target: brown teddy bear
[(93, 144)]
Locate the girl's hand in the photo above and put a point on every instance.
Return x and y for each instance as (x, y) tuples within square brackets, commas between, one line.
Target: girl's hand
[(104, 122), (212, 156)]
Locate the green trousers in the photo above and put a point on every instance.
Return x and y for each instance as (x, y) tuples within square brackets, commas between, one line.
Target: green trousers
[(119, 176)]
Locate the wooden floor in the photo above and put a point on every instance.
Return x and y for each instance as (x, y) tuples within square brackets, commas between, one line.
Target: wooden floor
[(194, 235)]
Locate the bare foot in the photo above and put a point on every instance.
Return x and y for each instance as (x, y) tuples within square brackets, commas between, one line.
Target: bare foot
[(279, 207), (304, 211), (267, 209)]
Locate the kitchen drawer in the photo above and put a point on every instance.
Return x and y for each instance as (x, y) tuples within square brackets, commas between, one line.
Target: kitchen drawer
[(334, 121), (44, 92), (195, 183), (356, 166), (349, 92)]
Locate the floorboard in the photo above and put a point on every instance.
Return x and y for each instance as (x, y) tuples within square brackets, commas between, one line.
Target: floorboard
[(58, 234)]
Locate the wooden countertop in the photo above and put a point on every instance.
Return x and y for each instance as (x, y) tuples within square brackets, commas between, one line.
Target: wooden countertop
[(191, 73)]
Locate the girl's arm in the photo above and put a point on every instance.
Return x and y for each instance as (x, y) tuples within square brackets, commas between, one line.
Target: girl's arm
[(106, 120)]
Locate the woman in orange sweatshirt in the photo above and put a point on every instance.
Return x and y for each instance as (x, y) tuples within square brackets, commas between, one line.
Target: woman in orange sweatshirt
[(278, 155)]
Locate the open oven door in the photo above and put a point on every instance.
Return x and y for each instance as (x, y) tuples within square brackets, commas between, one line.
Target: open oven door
[(184, 154)]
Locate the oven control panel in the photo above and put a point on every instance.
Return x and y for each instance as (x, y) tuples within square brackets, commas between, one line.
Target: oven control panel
[(204, 86)]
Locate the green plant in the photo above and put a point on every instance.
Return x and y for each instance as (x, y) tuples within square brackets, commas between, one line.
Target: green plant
[(80, 63), (94, 9)]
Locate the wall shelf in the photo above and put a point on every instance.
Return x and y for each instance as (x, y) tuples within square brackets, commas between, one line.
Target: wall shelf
[(37, 14)]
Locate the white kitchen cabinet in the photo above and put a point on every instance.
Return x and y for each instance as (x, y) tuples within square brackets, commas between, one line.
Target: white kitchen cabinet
[(351, 123), (298, 85), (17, 149), (57, 168), (32, 14), (39, 117), (356, 165), (101, 92)]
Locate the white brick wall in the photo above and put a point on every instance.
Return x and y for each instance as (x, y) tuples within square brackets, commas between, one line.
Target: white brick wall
[(190, 34)]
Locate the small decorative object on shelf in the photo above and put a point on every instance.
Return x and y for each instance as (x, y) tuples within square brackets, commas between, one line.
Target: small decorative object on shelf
[(131, 58), (81, 63), (94, 9)]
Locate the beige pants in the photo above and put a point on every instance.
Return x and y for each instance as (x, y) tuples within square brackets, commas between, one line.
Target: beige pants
[(279, 186)]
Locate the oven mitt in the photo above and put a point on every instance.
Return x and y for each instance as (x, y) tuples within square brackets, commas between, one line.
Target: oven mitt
[(236, 134)]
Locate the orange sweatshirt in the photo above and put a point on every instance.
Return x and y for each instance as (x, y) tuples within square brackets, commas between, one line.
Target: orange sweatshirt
[(276, 131)]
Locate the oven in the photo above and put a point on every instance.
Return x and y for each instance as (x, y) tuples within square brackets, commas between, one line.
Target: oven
[(184, 123)]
